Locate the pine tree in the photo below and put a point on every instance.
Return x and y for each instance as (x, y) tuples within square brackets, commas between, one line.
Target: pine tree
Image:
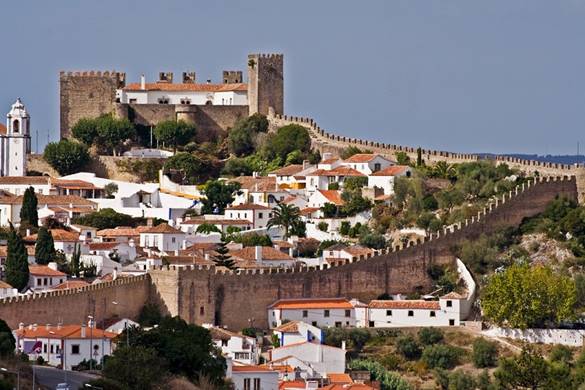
[(75, 267), (16, 266), (222, 258), (45, 247), (29, 215)]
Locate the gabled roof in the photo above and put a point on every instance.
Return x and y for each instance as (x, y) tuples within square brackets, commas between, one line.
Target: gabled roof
[(362, 158), (289, 170), (25, 180), (392, 170), (251, 369), (73, 184), (248, 206), (71, 284), (63, 332), (257, 183), (53, 200), (346, 386), (58, 235), (312, 303), (330, 161), (268, 254), (121, 231), (339, 378), (453, 295), (289, 327), (357, 250), (339, 171), (162, 228), (3, 284), (187, 87), (406, 304), (44, 270), (102, 246), (333, 196)]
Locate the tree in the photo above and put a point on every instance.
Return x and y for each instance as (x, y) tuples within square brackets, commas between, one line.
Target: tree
[(241, 139), (190, 168), (16, 265), (419, 160), (44, 247), (109, 219), (430, 336), (284, 215), (75, 267), (110, 189), (408, 347), (218, 195), (287, 139), (444, 170), (373, 240), (66, 156), (388, 380), (207, 228), (354, 202), (526, 370), (485, 353), (174, 133), (402, 158), (552, 297), (222, 257), (441, 356), (7, 341), (149, 315), (253, 239), (85, 130), (136, 367), (114, 132), (29, 216)]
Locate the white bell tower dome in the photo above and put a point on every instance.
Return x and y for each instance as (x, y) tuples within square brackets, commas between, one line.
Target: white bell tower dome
[(15, 145), (18, 120)]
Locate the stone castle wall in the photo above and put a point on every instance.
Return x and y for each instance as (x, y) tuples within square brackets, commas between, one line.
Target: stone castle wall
[(328, 142)]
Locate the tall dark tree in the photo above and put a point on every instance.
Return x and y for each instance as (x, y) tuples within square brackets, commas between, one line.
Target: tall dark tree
[(45, 247), (174, 133), (7, 342), (29, 216), (16, 265), (218, 195), (75, 267), (222, 257)]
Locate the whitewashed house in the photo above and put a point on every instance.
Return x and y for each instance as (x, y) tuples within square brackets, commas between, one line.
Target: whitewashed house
[(384, 179), (367, 163), (262, 256), (257, 214), (324, 359), (319, 198), (6, 290), (18, 184), (251, 377), (294, 332), (163, 237), (320, 179), (45, 277), (319, 312), (239, 348)]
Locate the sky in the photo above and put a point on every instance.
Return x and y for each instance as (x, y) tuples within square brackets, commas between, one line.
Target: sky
[(500, 76)]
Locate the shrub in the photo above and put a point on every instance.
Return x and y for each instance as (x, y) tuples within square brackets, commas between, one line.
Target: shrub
[(66, 157), (373, 240), (485, 353), (344, 228), (430, 336), (408, 347), (441, 356), (561, 354), (323, 226), (359, 337), (388, 380)]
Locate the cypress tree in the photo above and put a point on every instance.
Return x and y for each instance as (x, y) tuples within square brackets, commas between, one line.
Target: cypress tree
[(222, 258), (29, 215), (16, 266), (45, 247), (75, 266)]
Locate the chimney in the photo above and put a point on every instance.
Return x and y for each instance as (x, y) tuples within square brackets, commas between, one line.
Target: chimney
[(142, 82), (258, 253), (27, 232), (34, 326), (48, 327), (82, 331), (59, 325), (206, 256), (184, 245), (254, 174), (305, 164), (114, 274), (149, 222), (208, 81), (176, 252), (131, 243)]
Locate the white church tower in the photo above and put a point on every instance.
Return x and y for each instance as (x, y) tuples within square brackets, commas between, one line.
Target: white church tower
[(15, 144)]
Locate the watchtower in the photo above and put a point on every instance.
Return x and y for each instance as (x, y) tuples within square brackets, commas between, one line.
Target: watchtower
[(266, 83)]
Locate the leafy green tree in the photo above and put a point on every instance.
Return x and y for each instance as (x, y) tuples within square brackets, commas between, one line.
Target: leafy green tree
[(561, 354), (330, 210), (252, 239), (419, 160), (218, 195), (430, 336), (190, 168), (344, 228), (222, 257), (408, 347), (174, 133), (402, 158), (242, 138), (16, 265), (29, 216), (388, 380), (485, 353), (113, 133), (441, 356), (106, 219), (7, 341), (354, 202), (527, 370), (110, 189), (66, 156), (284, 215), (552, 297), (373, 240), (444, 170), (207, 228), (323, 226), (236, 166), (136, 367), (355, 182), (287, 139), (85, 130), (44, 247)]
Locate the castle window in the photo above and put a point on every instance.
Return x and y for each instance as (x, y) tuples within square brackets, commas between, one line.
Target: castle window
[(16, 126), (163, 100), (185, 101)]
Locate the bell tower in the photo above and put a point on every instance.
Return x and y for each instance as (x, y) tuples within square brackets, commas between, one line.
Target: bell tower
[(16, 144)]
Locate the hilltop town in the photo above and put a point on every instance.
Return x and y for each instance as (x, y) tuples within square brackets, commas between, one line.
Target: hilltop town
[(190, 231)]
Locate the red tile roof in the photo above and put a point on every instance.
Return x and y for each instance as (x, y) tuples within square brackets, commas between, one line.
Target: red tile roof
[(248, 206), (162, 228), (188, 87), (251, 369), (73, 184), (268, 254), (339, 171), (63, 332), (43, 270), (289, 170), (312, 303), (296, 384), (333, 196), (102, 246), (361, 158), (392, 170), (259, 183), (345, 386), (407, 304), (71, 284), (289, 327), (3, 129), (329, 161), (53, 200), (58, 235), (339, 378), (121, 231), (453, 295), (24, 180), (309, 210)]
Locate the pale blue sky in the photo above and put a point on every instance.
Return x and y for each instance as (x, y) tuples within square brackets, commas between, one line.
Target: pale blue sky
[(479, 76)]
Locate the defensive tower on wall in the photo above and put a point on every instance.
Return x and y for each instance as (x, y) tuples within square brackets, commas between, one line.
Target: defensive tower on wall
[(213, 108)]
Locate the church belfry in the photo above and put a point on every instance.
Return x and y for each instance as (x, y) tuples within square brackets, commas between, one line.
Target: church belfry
[(15, 144)]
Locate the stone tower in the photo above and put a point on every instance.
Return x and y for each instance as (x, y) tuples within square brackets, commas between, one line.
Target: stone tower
[(15, 145), (266, 83), (87, 95)]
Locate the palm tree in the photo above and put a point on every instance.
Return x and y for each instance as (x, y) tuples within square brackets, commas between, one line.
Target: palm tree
[(286, 216), (444, 170)]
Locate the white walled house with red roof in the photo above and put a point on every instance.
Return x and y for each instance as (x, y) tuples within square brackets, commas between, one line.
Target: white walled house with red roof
[(323, 359), (294, 332), (319, 312), (257, 214), (384, 178), (319, 198), (246, 377), (45, 277), (190, 225), (18, 184), (239, 348), (367, 163), (163, 237), (320, 179), (262, 256)]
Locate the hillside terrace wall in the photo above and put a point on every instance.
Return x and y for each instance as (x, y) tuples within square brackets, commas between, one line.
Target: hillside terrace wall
[(332, 143), (238, 299)]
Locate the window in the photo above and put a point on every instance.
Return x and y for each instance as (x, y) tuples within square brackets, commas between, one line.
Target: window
[(348, 313), (432, 313), (16, 126), (314, 323), (449, 303), (185, 101), (52, 348), (326, 313), (45, 348), (75, 349), (201, 311), (269, 215), (241, 355), (305, 313), (163, 100), (411, 313), (338, 324), (173, 240), (451, 322), (133, 101), (39, 281), (377, 167), (260, 215), (246, 383), (44, 281), (371, 324), (224, 343), (388, 313), (256, 380)]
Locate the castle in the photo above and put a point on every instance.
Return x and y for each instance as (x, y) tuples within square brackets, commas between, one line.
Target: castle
[(213, 108)]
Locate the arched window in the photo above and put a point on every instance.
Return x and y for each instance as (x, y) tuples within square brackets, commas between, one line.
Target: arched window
[(16, 126)]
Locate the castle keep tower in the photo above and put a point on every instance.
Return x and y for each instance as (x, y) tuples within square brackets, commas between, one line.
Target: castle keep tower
[(87, 95), (15, 144), (266, 83)]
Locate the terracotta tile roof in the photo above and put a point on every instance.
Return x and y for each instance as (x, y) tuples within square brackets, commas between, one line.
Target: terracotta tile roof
[(221, 334), (339, 171), (333, 196), (330, 161), (339, 378), (361, 158), (259, 183), (309, 210), (188, 260), (283, 244), (3, 284), (53, 200), (204, 246), (357, 250), (392, 170), (453, 295), (296, 384), (73, 184), (3, 129), (312, 303), (248, 206), (24, 180), (118, 232), (58, 235), (251, 369), (162, 228), (289, 327), (64, 332), (289, 170), (44, 270), (268, 254), (345, 386), (71, 284), (102, 246), (290, 199), (187, 87), (407, 304), (200, 221)]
